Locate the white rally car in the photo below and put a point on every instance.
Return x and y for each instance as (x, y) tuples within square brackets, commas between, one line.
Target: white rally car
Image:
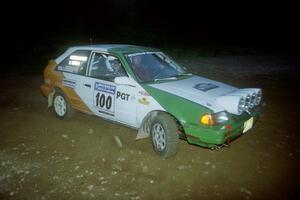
[(143, 88)]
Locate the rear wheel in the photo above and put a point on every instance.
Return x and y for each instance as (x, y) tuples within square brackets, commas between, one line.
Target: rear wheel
[(164, 135), (61, 106)]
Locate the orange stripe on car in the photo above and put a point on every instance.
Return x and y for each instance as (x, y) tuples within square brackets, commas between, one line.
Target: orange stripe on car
[(56, 78)]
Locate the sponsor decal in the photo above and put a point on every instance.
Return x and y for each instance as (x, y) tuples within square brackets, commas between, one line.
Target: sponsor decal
[(144, 101), (111, 89), (74, 63), (69, 83), (123, 96), (142, 53), (78, 58), (205, 86), (68, 68), (144, 93), (104, 98)]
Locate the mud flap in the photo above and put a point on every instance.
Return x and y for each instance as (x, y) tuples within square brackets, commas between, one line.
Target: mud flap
[(142, 134), (144, 130), (50, 98)]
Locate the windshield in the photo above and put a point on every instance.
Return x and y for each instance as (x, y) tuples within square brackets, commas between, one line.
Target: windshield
[(154, 66)]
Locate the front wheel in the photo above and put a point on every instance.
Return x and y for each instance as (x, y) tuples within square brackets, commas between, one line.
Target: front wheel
[(164, 135), (61, 106)]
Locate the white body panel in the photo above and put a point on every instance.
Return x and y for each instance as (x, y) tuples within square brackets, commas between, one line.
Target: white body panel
[(211, 94), (128, 104), (187, 88)]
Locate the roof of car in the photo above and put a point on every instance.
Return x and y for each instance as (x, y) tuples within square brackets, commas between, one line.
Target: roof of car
[(110, 48), (102, 47), (119, 48)]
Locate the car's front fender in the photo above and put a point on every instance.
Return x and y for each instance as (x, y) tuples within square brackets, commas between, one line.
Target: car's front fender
[(183, 110)]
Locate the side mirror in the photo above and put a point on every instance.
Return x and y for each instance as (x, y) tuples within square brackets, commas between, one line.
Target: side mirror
[(124, 80)]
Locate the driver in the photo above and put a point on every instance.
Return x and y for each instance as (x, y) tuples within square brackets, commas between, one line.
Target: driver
[(139, 68), (115, 67)]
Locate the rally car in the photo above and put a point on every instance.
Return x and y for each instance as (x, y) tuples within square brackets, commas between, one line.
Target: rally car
[(143, 88)]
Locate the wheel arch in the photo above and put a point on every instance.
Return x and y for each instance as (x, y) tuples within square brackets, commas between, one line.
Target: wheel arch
[(145, 127), (69, 111), (51, 95)]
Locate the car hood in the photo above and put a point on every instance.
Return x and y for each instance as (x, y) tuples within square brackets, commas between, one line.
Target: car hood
[(198, 89)]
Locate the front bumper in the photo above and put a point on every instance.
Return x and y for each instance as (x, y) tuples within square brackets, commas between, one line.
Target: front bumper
[(209, 136)]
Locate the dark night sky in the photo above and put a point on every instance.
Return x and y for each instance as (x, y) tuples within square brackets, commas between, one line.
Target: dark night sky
[(246, 22), (27, 26)]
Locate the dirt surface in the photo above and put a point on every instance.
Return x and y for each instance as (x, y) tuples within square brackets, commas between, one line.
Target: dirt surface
[(43, 157)]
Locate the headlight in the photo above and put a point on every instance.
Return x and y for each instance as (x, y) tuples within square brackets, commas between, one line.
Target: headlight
[(241, 106), (221, 117), (258, 97), (214, 119), (252, 100), (255, 96), (247, 102)]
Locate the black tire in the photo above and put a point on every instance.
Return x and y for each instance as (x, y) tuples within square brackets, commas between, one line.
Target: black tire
[(61, 106), (164, 135)]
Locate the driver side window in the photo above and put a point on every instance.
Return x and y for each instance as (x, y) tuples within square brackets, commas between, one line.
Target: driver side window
[(105, 67)]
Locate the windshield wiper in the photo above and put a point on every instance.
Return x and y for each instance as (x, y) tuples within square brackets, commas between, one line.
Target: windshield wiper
[(163, 79), (185, 74)]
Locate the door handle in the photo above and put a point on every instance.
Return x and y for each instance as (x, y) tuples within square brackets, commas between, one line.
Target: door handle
[(87, 85)]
